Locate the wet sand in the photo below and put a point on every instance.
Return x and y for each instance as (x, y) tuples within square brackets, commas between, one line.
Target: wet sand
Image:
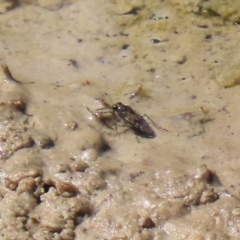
[(69, 172)]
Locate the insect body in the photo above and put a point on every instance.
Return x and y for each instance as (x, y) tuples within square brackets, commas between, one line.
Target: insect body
[(135, 121), (111, 114)]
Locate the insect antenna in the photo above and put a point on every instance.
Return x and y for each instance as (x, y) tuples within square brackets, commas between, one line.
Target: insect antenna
[(157, 126), (106, 108), (109, 98)]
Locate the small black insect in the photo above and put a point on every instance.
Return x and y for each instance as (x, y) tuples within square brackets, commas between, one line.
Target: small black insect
[(135, 121), (130, 118)]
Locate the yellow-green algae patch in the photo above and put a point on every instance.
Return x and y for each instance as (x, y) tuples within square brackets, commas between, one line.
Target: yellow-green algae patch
[(229, 76), (228, 10)]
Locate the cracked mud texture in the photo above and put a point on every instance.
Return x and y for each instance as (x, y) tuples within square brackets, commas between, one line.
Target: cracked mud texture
[(66, 174)]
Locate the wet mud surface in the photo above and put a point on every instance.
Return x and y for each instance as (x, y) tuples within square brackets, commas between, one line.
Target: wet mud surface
[(72, 162)]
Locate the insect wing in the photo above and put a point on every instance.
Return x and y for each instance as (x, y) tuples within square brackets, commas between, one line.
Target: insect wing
[(142, 128), (120, 112)]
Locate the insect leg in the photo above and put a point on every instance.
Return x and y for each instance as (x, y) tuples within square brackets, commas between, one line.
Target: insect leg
[(116, 129), (146, 116), (99, 111), (106, 108), (95, 113)]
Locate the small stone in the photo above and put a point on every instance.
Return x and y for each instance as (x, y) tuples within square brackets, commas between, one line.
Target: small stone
[(148, 223), (79, 166)]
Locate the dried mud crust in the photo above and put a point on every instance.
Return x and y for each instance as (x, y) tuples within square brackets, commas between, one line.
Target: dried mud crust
[(15, 130), (138, 200), (91, 197), (67, 201), (13, 133)]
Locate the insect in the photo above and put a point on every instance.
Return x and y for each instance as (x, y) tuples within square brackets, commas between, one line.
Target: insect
[(135, 121), (130, 118)]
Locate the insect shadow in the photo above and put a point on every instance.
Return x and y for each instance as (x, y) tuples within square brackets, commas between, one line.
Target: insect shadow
[(130, 118)]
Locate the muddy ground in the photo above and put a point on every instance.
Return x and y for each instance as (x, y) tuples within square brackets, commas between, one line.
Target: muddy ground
[(71, 172)]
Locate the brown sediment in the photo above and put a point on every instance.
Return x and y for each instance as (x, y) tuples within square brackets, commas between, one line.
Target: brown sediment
[(64, 175)]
